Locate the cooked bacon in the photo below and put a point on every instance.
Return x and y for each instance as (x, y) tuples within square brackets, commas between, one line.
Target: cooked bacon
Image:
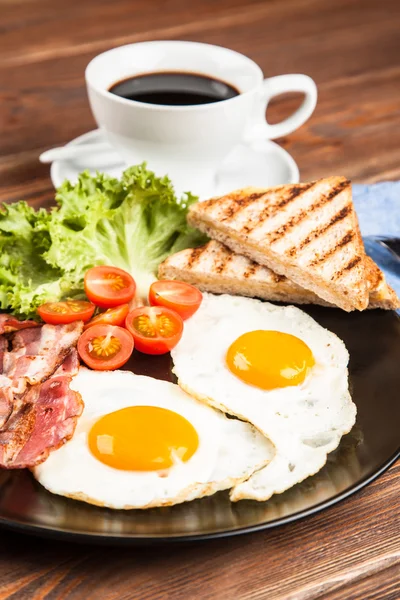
[(6, 392), (8, 323), (6, 399), (70, 366), (43, 420), (38, 411), (36, 353), (3, 348)]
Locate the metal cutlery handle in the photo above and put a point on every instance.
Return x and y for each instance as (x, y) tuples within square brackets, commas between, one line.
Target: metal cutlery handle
[(392, 244), (68, 152)]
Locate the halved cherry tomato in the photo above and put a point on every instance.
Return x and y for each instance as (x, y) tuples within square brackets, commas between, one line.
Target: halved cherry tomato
[(60, 313), (112, 316), (105, 347), (155, 329), (181, 297), (109, 286)]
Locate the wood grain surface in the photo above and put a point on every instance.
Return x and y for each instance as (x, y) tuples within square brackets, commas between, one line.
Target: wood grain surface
[(352, 50)]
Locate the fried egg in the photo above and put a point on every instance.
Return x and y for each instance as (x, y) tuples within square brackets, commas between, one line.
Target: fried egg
[(141, 442), (276, 368)]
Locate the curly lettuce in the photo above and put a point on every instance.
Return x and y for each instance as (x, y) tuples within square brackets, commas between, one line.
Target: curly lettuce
[(26, 279), (133, 223)]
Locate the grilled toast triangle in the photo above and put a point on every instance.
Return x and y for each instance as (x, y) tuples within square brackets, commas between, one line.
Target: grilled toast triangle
[(381, 295), (215, 268), (307, 232)]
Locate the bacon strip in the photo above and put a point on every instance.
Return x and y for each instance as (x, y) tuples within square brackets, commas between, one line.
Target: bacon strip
[(37, 353), (43, 421), (38, 411), (3, 349), (8, 324), (6, 399), (6, 392)]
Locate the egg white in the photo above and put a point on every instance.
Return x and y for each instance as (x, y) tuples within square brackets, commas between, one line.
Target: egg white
[(229, 450), (304, 422)]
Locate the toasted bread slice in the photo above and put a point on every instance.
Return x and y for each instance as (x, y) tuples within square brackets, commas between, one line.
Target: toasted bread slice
[(215, 268), (381, 295), (307, 232)]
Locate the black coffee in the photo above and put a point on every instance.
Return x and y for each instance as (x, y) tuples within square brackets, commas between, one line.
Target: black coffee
[(178, 89)]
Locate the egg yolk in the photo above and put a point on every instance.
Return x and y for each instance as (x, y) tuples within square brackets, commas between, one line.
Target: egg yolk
[(143, 438), (269, 359)]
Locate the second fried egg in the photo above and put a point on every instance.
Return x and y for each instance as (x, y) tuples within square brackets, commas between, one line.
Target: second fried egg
[(276, 368)]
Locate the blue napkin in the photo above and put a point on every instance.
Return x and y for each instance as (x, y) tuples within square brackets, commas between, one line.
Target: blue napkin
[(378, 211)]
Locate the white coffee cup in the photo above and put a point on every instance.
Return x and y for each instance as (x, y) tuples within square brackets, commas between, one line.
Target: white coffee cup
[(189, 143)]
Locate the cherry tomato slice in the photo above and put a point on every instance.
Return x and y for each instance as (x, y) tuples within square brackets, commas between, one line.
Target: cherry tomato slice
[(155, 329), (60, 313), (181, 297), (112, 316), (105, 347), (109, 286)]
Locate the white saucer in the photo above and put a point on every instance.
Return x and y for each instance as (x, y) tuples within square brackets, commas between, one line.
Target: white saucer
[(264, 164)]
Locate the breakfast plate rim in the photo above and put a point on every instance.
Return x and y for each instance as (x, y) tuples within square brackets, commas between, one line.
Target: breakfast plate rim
[(133, 539)]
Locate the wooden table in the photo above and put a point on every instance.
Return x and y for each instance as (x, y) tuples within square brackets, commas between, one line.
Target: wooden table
[(352, 50)]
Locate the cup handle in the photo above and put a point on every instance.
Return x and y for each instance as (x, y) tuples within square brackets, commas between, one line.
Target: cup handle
[(273, 86)]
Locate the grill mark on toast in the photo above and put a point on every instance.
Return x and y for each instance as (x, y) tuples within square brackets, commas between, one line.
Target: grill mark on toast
[(339, 216), (195, 256), (296, 219), (278, 278), (346, 239), (350, 265), (221, 266), (271, 210), (238, 204), (293, 193), (208, 203), (379, 277), (251, 269), (256, 196)]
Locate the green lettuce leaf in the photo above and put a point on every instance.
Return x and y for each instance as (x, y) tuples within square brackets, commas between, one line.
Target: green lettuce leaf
[(133, 223), (26, 279)]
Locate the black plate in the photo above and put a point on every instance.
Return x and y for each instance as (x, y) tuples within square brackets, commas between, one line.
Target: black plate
[(373, 340)]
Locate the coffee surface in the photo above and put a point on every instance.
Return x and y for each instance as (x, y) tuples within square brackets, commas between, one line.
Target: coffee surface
[(173, 88)]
